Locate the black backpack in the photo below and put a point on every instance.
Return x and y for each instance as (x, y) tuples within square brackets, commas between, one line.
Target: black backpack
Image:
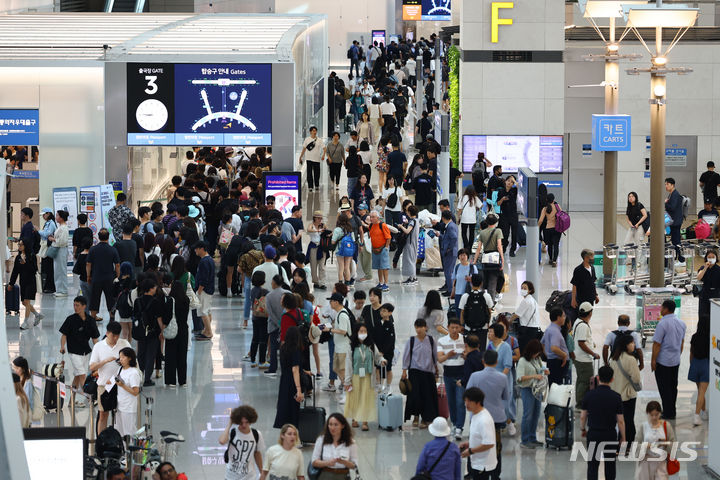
[(619, 334), (233, 432), (392, 199), (476, 313), (124, 305), (557, 299), (349, 52)]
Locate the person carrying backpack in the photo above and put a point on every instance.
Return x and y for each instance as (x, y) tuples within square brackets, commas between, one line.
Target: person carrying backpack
[(674, 208), (475, 307), (614, 336), (345, 242)]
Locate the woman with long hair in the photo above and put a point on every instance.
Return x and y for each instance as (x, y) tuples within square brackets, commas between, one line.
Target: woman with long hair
[(335, 154), (24, 269), (168, 252), (366, 156), (709, 275), (550, 235), (434, 315), (60, 241), (284, 461), (626, 380), (382, 165), (128, 384), (23, 404), (315, 254), (149, 246), (362, 194), (361, 404), (393, 214), (635, 214), (21, 367), (343, 229), (354, 167), (335, 451), (467, 210), (357, 105), (290, 394), (659, 434), (46, 264), (364, 129), (699, 371), (529, 370), (176, 348), (258, 344), (411, 232)]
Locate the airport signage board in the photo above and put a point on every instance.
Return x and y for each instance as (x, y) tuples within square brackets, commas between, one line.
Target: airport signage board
[(611, 133)]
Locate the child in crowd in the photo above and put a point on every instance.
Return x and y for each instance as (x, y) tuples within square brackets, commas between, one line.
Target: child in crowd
[(359, 298), (384, 337)]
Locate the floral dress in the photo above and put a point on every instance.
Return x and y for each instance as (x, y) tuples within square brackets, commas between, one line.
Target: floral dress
[(382, 162)]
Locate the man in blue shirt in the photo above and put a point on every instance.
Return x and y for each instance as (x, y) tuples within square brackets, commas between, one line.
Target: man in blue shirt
[(667, 348), (205, 281), (440, 457), (495, 386), (354, 56), (556, 349), (674, 208), (28, 228)]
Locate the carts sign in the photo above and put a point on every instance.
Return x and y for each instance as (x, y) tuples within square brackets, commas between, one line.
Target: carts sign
[(611, 133)]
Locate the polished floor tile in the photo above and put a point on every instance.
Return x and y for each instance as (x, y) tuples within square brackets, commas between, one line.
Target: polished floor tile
[(219, 380)]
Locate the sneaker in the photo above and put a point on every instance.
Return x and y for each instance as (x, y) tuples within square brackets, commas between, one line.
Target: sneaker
[(407, 282), (270, 374), (511, 429), (264, 366), (458, 433), (149, 384), (697, 420), (59, 294), (385, 288), (319, 374), (170, 385), (341, 399), (38, 317), (329, 388), (529, 446), (24, 325), (183, 385), (310, 190), (704, 415), (98, 318), (253, 365), (540, 444), (247, 358), (414, 281), (379, 285)]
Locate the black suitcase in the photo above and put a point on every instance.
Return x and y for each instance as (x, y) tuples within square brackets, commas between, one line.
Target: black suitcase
[(50, 395), (312, 419), (559, 426), (12, 301)]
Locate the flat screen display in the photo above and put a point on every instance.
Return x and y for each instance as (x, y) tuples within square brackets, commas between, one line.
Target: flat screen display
[(378, 36), (318, 95), (285, 187), (199, 104), (541, 154), (436, 10), (55, 452), (19, 126)]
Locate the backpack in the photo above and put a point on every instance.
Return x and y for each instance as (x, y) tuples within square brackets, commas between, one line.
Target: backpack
[(124, 305), (233, 432), (250, 260), (226, 235), (556, 300), (562, 220), (349, 53), (685, 206), (392, 199), (479, 169), (619, 334), (326, 243), (476, 313), (37, 240), (346, 246)]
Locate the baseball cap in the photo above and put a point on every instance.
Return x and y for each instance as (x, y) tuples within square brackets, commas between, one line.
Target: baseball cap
[(363, 206), (193, 212), (270, 252), (46, 210), (337, 297), (585, 307)]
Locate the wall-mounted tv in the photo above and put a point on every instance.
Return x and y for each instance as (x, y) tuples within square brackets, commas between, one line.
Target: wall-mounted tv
[(539, 153)]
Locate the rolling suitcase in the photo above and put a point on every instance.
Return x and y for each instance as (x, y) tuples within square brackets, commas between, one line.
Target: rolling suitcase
[(389, 408), (312, 419), (559, 426), (12, 301), (50, 395)]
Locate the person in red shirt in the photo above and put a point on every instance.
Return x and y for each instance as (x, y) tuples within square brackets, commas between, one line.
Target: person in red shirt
[(292, 316)]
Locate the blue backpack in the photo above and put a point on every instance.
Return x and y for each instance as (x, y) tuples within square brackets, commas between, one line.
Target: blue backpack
[(346, 247)]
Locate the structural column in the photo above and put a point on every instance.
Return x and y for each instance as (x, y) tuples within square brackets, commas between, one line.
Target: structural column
[(612, 77), (657, 180)]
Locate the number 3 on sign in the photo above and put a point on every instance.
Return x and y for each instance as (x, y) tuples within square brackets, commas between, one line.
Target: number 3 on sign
[(152, 86)]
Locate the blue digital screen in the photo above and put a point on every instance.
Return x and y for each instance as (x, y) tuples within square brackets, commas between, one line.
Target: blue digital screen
[(436, 10), (200, 104), (20, 127)]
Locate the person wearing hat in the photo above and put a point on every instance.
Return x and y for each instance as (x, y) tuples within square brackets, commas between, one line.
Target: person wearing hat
[(584, 351), (47, 264), (440, 457), (315, 254), (194, 213)]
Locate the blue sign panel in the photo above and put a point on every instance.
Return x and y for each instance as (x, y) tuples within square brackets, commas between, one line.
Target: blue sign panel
[(20, 127), (551, 183), (611, 133), (35, 174)]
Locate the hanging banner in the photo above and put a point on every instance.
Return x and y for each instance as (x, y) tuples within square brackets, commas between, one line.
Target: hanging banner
[(65, 198), (90, 205), (107, 201)]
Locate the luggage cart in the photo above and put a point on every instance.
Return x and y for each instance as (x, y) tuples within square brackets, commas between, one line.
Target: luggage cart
[(648, 304), (641, 272), (622, 273)]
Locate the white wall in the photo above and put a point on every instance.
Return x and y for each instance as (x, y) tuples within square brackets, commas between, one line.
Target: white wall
[(693, 106), (72, 121), (17, 6), (347, 21)]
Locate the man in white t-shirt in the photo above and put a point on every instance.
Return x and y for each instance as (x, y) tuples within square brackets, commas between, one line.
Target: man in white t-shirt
[(243, 457), (584, 351), (481, 445), (313, 151), (387, 112), (450, 349), (341, 338), (103, 363)]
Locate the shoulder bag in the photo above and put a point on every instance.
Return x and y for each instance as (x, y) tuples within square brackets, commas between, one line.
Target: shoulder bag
[(673, 465), (171, 329), (427, 474), (192, 296), (636, 386), (109, 397), (493, 257), (313, 472)]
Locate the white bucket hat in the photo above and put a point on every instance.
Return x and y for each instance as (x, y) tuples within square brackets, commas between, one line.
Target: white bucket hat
[(439, 427)]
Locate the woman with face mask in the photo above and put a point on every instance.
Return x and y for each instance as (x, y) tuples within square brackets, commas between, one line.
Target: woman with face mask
[(528, 315), (709, 275), (359, 381)]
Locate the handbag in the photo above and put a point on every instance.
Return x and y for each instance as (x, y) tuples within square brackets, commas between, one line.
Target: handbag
[(171, 329), (673, 465), (192, 296), (108, 399), (91, 387), (43, 250), (313, 473), (52, 252)]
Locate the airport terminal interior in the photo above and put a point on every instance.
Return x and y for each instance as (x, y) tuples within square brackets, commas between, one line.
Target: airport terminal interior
[(590, 101)]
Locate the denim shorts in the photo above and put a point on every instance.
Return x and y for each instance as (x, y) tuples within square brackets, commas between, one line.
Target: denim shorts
[(381, 261)]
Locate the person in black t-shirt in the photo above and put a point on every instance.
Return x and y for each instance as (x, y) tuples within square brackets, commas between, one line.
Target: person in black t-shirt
[(636, 215), (103, 265), (507, 200), (424, 189), (397, 162), (583, 281), (126, 247), (709, 182), (81, 232), (297, 223), (76, 330)]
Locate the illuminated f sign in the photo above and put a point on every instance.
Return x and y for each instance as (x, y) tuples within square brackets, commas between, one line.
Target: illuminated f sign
[(496, 22)]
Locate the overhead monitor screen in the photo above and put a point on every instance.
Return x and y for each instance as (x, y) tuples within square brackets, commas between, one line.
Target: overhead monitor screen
[(20, 126), (55, 452), (541, 154), (199, 104), (431, 10)]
